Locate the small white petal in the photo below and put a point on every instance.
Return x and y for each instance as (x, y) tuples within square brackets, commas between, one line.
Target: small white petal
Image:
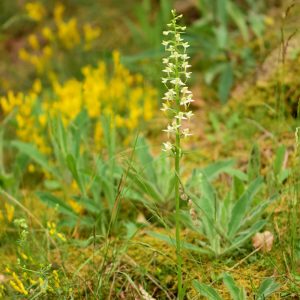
[(167, 147)]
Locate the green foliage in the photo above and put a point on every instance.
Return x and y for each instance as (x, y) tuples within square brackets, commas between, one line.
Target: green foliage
[(97, 178), (215, 36), (206, 291), (222, 35), (229, 223), (266, 289), (151, 178), (150, 23)]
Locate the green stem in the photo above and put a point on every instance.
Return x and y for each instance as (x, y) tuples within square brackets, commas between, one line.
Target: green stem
[(177, 216)]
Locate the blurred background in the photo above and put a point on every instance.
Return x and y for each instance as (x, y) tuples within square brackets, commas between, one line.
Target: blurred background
[(46, 39)]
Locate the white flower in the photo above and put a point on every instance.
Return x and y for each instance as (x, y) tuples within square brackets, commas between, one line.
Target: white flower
[(178, 38), (181, 116), (169, 95), (170, 48), (186, 100), (184, 90), (177, 97), (189, 114), (167, 70), (172, 128), (177, 81), (186, 132), (185, 45), (185, 65), (175, 55), (167, 147), (185, 56), (165, 107)]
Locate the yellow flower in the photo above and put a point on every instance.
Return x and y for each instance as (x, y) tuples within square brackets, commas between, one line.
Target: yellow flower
[(56, 279), (37, 86), (24, 55), (103, 90), (61, 237), (68, 33), (90, 34), (52, 231), (36, 11), (10, 211), (47, 51), (2, 289), (75, 206), (31, 168), (58, 12), (47, 33), (33, 42), (17, 284), (24, 256), (42, 120)]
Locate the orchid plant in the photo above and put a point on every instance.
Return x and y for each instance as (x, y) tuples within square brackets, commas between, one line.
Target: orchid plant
[(177, 100)]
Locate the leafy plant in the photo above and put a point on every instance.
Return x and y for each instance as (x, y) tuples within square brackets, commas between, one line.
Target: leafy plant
[(226, 224), (146, 33), (151, 178), (78, 181), (215, 36), (266, 288)]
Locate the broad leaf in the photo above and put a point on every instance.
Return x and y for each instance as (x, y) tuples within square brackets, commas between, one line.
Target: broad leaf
[(206, 291), (242, 205), (237, 293)]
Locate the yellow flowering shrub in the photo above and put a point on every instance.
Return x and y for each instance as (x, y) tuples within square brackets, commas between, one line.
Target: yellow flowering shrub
[(62, 35), (39, 279), (114, 92)]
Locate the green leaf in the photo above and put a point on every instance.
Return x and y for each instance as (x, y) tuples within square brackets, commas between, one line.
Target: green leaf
[(222, 12), (237, 293), (244, 236), (52, 184), (88, 204), (239, 18), (52, 201), (33, 153), (212, 72), (237, 174), (171, 241), (206, 291), (146, 159), (225, 83), (258, 210), (215, 169), (64, 208), (254, 164), (145, 186), (72, 166), (208, 201), (242, 205), (267, 287), (222, 37)]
